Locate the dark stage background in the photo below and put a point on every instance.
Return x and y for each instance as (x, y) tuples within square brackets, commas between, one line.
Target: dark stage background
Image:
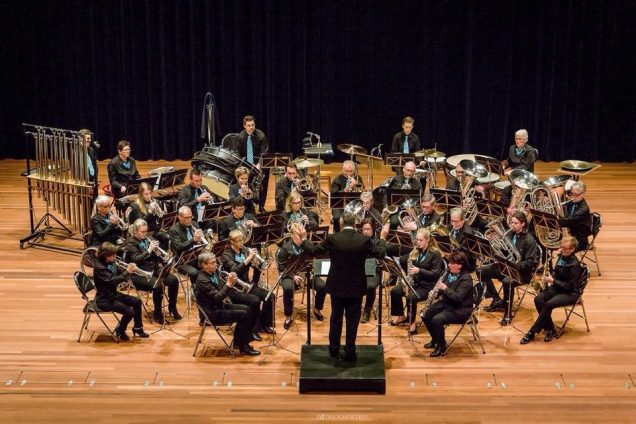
[(469, 72)]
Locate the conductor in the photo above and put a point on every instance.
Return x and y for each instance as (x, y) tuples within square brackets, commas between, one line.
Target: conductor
[(346, 281)]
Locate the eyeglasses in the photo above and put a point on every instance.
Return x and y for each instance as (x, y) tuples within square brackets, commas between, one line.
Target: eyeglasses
[(297, 202)]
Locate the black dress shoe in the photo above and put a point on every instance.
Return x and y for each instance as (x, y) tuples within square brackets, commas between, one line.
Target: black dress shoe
[(350, 357), (527, 338), (175, 314), (366, 315), (158, 317), (496, 305), (551, 335), (318, 315), (333, 352), (248, 350), (430, 345), (268, 330), (139, 332), (439, 351), (122, 336), (394, 322), (287, 324), (506, 320), (257, 337)]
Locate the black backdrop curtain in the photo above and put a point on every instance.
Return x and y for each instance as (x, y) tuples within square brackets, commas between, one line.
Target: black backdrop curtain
[(469, 72)]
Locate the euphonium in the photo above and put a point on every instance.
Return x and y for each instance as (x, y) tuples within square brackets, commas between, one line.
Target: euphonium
[(138, 271), (408, 214), (522, 182), (496, 235), (387, 212), (545, 200), (155, 209), (356, 208)]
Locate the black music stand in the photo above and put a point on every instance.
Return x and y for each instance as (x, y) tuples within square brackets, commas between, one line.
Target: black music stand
[(399, 196), (272, 217), (275, 160), (168, 220), (267, 234), (447, 198), (220, 247), (399, 159), (510, 270), (340, 200), (172, 178), (478, 246), (491, 164), (216, 211), (545, 220), (310, 198), (401, 238), (445, 243), (490, 209), (318, 234), (162, 275), (133, 186)]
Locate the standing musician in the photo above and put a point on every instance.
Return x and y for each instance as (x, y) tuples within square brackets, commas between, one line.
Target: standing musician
[(521, 155), (146, 255), (236, 219), (373, 281), (563, 288), (184, 235), (195, 196), (239, 259), (455, 303), (406, 141), (292, 249), (107, 278), (426, 267), (244, 189), (285, 185), (211, 295), (528, 250), (346, 182), (296, 212), (122, 170), (149, 209), (346, 281), (106, 225), (252, 144), (91, 159), (577, 215)]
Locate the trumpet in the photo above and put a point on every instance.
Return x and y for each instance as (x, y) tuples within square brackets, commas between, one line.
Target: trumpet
[(154, 208), (243, 287), (210, 200), (204, 238), (121, 224), (258, 260), (165, 256), (137, 271), (354, 185)]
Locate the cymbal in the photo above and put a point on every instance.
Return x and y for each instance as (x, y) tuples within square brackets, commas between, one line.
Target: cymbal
[(303, 163), (435, 154), (576, 165), (352, 149), (423, 152)]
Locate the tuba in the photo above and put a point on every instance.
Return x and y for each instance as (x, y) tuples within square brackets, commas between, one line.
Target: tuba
[(472, 171), (356, 208), (408, 213), (496, 235), (522, 182), (546, 200)]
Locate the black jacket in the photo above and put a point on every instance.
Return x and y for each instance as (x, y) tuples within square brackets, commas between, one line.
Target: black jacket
[(188, 196), (250, 204), (259, 145), (228, 224), (136, 213), (566, 275), (104, 230), (529, 252), (230, 263), (135, 252), (459, 294), (106, 282), (283, 188), (397, 145), (121, 176), (523, 161), (311, 215), (179, 242), (210, 296), (579, 222), (398, 182), (431, 268)]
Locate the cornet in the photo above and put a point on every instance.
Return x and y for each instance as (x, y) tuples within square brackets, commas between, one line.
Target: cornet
[(243, 287), (165, 256), (245, 192), (138, 271), (121, 224)]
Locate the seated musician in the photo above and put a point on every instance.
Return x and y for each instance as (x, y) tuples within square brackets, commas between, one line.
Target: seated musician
[(243, 189), (521, 155), (146, 255), (288, 251), (455, 302), (526, 246), (285, 185), (369, 211), (106, 225), (426, 267), (407, 180), (107, 278), (238, 218), (239, 259), (184, 235), (149, 209), (296, 212), (577, 215), (122, 170), (196, 195), (211, 294), (373, 281), (347, 182), (563, 288), (456, 230), (428, 217), (453, 182)]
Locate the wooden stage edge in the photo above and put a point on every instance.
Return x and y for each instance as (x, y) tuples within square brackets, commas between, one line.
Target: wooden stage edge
[(47, 376)]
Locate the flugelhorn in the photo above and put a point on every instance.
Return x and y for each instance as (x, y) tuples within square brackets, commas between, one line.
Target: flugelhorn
[(138, 271), (243, 287)]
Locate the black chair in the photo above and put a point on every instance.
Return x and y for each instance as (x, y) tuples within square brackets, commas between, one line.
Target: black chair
[(596, 224), (479, 291), (208, 323), (571, 309), (524, 289), (85, 285)]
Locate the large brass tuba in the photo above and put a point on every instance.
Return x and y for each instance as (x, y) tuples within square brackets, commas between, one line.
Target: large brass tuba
[(522, 182), (496, 235), (545, 199), (472, 170)]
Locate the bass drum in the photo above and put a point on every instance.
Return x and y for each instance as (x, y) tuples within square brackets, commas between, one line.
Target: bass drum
[(218, 183), (380, 193)]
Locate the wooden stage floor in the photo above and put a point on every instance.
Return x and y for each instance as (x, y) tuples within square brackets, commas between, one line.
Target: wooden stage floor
[(46, 376)]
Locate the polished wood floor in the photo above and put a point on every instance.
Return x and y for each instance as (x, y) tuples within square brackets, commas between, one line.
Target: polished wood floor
[(46, 376)]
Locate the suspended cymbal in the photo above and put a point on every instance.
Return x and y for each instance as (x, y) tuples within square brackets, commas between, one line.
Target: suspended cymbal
[(352, 149), (436, 154), (423, 152), (576, 165), (303, 163)]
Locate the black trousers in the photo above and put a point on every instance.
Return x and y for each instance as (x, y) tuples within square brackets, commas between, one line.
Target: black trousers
[(288, 294), (397, 307), (253, 302), (128, 306), (372, 285), (171, 282), (546, 302), (440, 314), (349, 307), (241, 315)]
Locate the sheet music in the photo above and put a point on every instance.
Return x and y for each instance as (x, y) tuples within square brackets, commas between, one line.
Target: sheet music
[(324, 267)]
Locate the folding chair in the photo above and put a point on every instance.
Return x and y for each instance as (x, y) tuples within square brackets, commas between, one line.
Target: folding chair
[(524, 289), (570, 309), (479, 291), (85, 285), (597, 223), (208, 323)]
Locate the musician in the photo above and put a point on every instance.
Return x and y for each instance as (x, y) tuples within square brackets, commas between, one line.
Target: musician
[(577, 215), (145, 254), (346, 281), (91, 159), (122, 170), (149, 209), (238, 217), (239, 259), (196, 195), (252, 144), (107, 278), (406, 141), (346, 182), (428, 217), (455, 302), (457, 228), (521, 155), (244, 189), (184, 235), (529, 254), (285, 185), (563, 288), (106, 226), (370, 212), (211, 293), (295, 212), (407, 180), (373, 281), (291, 250), (426, 267)]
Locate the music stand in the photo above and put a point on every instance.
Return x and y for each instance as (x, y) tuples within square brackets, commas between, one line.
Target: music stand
[(399, 196), (491, 164), (398, 159), (168, 220), (272, 217), (318, 234), (219, 247), (545, 220), (275, 160), (478, 246), (310, 199), (445, 243), (133, 186), (162, 275), (340, 200), (490, 209), (401, 238), (447, 198)]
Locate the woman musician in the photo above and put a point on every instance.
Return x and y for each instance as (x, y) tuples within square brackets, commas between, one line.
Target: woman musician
[(107, 277), (563, 289), (425, 265), (150, 210), (296, 212), (455, 302), (243, 189), (373, 281), (106, 225)]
